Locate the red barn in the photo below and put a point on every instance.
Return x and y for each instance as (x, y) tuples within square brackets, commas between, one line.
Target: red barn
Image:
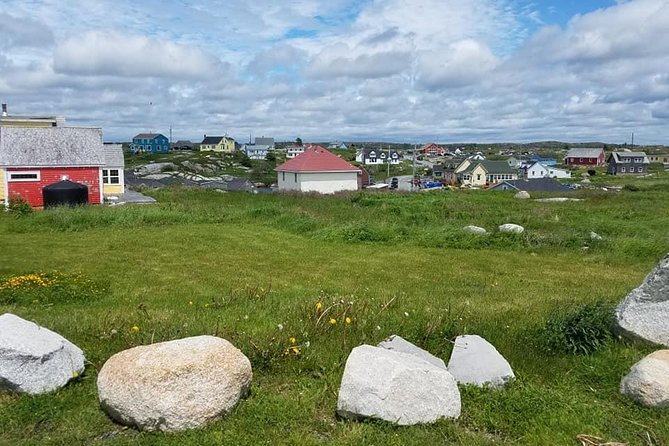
[(585, 157), (34, 157), (432, 150)]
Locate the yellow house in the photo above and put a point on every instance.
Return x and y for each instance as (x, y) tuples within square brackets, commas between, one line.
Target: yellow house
[(223, 144), (3, 194), (113, 180), (485, 173)]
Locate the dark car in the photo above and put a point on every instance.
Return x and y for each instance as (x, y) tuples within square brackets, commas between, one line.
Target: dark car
[(394, 182)]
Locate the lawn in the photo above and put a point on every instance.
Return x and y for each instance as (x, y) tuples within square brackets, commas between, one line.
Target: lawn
[(251, 268)]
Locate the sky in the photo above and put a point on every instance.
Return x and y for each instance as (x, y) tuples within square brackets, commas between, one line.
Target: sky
[(354, 70)]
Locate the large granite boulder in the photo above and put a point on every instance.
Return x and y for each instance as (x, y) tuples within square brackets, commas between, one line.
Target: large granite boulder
[(397, 387), (475, 361), (34, 359), (647, 383), (511, 227), (398, 344), (522, 195), (644, 313), (174, 385), (475, 229)]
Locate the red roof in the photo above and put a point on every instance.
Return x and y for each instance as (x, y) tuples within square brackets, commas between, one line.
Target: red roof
[(316, 159)]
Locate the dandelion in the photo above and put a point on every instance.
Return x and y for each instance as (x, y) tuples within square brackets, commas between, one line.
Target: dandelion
[(348, 320), (75, 374), (319, 306), (296, 350), (333, 321), (292, 340), (190, 302), (134, 328)]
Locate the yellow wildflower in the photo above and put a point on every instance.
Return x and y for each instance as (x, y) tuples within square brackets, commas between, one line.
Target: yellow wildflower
[(319, 306), (190, 303), (333, 321), (75, 374), (134, 328), (292, 340), (348, 320), (296, 350)]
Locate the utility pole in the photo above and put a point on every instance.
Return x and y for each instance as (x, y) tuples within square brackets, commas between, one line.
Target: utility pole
[(388, 160), (632, 141), (413, 176)]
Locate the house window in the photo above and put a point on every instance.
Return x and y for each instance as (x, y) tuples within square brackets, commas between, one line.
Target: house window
[(478, 177), (28, 175), (296, 178), (110, 176), (631, 169), (283, 176), (622, 170), (639, 169)]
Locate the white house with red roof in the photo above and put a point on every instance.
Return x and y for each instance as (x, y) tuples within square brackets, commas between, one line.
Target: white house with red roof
[(317, 170)]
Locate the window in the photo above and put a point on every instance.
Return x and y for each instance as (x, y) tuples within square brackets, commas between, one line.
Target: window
[(639, 169), (32, 175), (631, 168), (622, 170), (296, 178), (478, 177), (110, 176), (283, 176)]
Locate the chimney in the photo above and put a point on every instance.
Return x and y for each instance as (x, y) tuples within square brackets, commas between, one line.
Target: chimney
[(4, 109)]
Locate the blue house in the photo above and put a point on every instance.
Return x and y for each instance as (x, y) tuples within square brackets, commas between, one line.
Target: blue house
[(544, 161), (150, 143)]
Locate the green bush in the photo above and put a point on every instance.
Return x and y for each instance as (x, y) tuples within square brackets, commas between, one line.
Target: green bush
[(579, 330), (19, 206)]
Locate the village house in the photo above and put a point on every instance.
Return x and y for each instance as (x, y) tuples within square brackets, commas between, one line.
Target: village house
[(432, 149), (113, 179), (256, 151), (31, 121), (540, 170), (150, 143), (337, 145), (483, 173), (586, 157), (32, 158), (222, 144), (318, 170), (627, 163), (531, 185), (293, 151), (182, 144), (658, 158), (377, 156), (264, 141)]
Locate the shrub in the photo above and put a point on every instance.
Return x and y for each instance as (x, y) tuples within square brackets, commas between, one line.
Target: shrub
[(631, 187), (579, 330), (19, 206)]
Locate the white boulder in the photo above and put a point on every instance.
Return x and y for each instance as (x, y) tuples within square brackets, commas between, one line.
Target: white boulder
[(510, 227), (522, 195), (174, 385), (396, 387), (647, 383), (399, 344), (644, 313), (595, 236), (475, 361), (34, 359), (475, 229)]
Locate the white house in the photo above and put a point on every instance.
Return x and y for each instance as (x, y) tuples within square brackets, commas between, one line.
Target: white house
[(255, 151), (293, 151), (377, 156), (538, 170), (317, 170)]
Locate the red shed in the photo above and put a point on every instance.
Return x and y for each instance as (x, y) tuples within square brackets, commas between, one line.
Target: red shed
[(585, 157), (34, 157)]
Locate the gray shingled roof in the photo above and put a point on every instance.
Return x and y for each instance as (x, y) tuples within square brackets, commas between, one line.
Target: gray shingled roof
[(583, 153), (114, 155), (147, 136), (618, 156), (50, 146), (492, 167)]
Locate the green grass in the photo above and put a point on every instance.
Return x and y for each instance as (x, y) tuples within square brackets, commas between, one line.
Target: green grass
[(394, 263)]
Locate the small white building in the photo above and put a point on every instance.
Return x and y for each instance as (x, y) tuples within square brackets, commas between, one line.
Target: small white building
[(256, 152), (538, 170), (293, 151), (377, 156), (317, 170)]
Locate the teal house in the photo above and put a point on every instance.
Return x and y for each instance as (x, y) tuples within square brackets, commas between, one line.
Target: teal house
[(150, 143)]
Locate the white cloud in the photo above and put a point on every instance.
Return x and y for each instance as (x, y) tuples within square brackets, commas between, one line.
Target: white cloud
[(114, 54)]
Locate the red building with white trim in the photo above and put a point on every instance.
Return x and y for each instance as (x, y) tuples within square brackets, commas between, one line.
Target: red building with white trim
[(34, 157), (585, 157)]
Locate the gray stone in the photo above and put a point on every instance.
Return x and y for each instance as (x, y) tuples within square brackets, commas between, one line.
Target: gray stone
[(475, 361), (475, 229), (510, 227), (398, 344), (154, 168), (647, 383), (522, 195), (557, 200), (174, 385), (644, 313), (595, 236), (34, 359), (396, 387)]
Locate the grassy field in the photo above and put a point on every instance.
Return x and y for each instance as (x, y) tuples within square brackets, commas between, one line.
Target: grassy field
[(251, 268)]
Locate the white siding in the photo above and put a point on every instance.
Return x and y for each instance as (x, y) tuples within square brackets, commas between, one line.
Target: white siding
[(323, 182)]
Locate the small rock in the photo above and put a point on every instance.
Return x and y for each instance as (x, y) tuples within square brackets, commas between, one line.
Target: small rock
[(644, 313), (510, 227), (522, 195), (647, 383), (475, 229), (396, 387), (398, 344), (34, 359), (595, 236), (174, 385), (475, 361)]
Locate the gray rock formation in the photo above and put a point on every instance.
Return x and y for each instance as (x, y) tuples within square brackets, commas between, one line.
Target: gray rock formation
[(174, 385), (398, 344), (522, 195), (644, 313), (396, 387), (475, 361), (647, 383), (510, 227), (475, 229), (34, 359)]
